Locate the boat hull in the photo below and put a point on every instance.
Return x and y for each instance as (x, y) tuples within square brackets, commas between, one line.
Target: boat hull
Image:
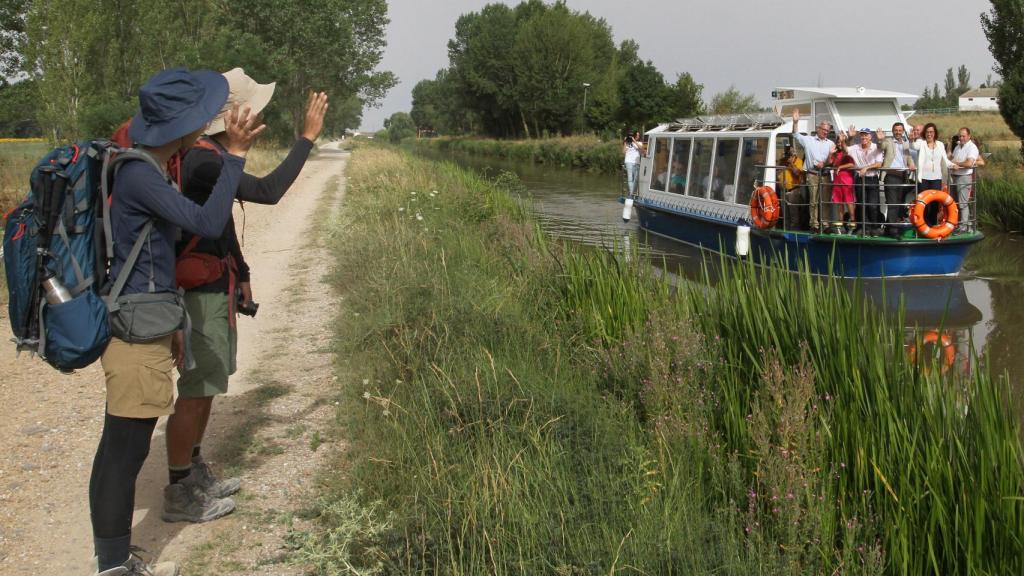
[(836, 255)]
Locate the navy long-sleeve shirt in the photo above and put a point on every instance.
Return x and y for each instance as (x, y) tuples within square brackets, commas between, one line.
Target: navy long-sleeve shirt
[(200, 170), (141, 192)]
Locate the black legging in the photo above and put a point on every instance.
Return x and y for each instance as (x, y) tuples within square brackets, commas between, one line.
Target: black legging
[(123, 448)]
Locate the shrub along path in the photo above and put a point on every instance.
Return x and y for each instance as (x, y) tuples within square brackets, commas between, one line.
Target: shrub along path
[(269, 428)]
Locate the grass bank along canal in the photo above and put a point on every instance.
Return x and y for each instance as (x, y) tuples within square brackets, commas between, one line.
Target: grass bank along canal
[(519, 405), (979, 310)]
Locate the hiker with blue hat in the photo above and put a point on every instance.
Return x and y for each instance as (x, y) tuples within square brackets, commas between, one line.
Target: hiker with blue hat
[(147, 319), (216, 280)]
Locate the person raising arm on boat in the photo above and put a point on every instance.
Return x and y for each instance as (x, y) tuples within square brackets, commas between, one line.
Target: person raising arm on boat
[(897, 164), (817, 150), (868, 158)]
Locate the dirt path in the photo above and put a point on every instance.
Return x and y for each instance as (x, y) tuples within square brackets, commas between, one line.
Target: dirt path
[(269, 428)]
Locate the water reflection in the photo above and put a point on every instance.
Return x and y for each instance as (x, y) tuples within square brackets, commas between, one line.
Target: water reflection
[(978, 311)]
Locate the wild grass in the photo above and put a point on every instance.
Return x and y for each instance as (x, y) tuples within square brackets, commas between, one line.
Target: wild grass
[(989, 127), (586, 152), (1001, 203), (16, 162), (520, 406)]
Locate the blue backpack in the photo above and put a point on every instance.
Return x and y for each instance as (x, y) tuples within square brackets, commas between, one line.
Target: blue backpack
[(57, 250)]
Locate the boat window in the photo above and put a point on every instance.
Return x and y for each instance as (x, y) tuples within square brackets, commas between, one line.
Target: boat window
[(821, 114), (871, 115), (723, 176), (755, 153), (660, 164), (680, 163), (700, 167)]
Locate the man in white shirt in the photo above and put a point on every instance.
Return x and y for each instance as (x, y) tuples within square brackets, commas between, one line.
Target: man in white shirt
[(868, 158), (965, 157), (817, 150)]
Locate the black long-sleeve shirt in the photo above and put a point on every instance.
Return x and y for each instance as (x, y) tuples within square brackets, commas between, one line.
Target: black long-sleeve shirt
[(200, 170)]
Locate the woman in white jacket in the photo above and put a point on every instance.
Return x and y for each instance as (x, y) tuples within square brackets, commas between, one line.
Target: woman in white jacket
[(932, 163)]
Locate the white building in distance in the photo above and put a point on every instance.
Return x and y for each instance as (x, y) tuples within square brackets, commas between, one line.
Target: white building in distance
[(980, 100)]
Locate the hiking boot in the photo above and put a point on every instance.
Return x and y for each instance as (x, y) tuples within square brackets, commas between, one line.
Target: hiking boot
[(213, 487), (136, 566), (186, 501)]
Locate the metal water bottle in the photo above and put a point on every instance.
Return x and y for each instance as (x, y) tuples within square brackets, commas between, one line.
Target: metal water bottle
[(54, 291)]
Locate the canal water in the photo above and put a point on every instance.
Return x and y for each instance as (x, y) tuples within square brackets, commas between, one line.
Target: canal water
[(978, 310)]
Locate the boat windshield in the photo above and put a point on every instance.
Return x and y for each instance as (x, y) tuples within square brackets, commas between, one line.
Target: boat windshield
[(867, 114)]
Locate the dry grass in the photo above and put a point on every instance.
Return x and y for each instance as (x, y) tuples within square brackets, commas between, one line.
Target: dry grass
[(16, 162), (988, 127)]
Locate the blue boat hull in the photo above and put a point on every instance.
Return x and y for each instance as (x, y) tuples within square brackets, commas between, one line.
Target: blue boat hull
[(837, 255)]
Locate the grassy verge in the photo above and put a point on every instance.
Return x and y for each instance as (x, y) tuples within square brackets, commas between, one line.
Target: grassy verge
[(586, 152), (521, 407), (1001, 203)]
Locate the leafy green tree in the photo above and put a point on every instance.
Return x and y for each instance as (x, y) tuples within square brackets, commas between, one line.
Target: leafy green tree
[(685, 97), (399, 127), (1004, 28), (733, 102), (12, 36), (641, 90), (330, 45), (481, 66), (555, 53), (18, 109)]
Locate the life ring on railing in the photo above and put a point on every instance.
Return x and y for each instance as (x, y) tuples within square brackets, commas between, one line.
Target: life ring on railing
[(764, 207), (948, 218), (935, 338)]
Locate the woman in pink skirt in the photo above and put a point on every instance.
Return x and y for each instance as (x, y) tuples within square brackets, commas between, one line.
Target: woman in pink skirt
[(842, 185)]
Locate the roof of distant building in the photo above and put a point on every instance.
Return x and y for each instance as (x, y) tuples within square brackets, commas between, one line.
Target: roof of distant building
[(981, 93)]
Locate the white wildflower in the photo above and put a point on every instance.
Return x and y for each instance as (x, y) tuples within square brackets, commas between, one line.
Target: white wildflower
[(366, 395)]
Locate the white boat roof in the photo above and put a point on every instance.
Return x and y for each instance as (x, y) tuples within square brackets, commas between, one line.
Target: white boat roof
[(809, 92)]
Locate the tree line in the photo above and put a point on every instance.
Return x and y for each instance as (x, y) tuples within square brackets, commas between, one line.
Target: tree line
[(72, 68), (540, 69)]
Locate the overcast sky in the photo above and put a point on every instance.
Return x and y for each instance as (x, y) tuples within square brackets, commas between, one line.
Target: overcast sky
[(752, 44)]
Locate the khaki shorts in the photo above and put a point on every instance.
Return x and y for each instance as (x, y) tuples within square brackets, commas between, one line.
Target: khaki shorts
[(140, 378), (214, 346)]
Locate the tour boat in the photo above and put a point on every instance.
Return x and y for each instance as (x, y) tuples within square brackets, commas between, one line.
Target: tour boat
[(711, 181)]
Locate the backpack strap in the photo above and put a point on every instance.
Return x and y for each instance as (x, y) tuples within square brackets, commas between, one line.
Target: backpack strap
[(111, 164), (122, 277)]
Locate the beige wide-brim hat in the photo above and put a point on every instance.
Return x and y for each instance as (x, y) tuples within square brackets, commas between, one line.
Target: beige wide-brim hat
[(243, 91)]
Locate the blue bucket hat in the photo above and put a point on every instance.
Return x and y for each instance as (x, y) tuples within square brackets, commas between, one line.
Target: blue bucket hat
[(177, 102)]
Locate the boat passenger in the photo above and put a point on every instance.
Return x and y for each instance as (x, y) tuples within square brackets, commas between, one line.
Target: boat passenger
[(842, 186), (897, 164), (917, 133), (817, 150), (632, 149), (791, 176), (677, 180), (932, 166), (965, 158), (868, 158)]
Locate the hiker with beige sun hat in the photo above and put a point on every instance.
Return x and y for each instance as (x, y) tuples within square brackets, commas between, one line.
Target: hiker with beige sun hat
[(216, 279)]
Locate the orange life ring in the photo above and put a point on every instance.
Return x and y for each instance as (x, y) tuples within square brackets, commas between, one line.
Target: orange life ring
[(933, 337), (948, 218), (764, 207)]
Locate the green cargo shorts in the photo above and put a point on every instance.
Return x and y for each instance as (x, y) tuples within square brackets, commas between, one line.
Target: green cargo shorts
[(214, 346)]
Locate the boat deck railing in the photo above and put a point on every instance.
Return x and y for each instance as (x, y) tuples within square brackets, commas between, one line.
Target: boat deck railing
[(872, 214)]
